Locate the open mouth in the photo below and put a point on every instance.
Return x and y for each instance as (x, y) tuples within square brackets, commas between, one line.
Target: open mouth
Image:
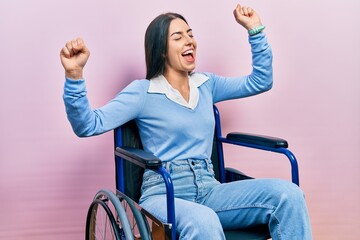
[(189, 55)]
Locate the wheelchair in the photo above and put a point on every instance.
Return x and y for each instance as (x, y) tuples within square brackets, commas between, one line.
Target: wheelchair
[(119, 216)]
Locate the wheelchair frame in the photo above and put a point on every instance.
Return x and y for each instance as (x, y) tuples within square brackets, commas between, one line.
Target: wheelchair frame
[(148, 161)]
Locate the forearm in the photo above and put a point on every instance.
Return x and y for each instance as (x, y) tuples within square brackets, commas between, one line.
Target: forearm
[(261, 76)]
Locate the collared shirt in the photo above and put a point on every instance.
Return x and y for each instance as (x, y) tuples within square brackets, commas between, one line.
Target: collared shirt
[(167, 129), (160, 85)]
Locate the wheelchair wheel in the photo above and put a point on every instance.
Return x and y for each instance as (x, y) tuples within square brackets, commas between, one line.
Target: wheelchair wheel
[(107, 218), (100, 222), (138, 222)]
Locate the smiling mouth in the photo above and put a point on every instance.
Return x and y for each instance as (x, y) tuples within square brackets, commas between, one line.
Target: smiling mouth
[(189, 55)]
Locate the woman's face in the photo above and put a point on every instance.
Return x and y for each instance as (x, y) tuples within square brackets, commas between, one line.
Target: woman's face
[(181, 51)]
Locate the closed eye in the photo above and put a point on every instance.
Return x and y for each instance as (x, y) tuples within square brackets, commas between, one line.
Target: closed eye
[(189, 32), (178, 35)]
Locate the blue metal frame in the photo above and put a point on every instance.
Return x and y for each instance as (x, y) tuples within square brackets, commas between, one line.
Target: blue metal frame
[(220, 140), (120, 183), (219, 145), (289, 154), (170, 200), (119, 169)]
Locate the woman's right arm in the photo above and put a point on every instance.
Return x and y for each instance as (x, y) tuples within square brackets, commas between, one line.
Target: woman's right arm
[(85, 121)]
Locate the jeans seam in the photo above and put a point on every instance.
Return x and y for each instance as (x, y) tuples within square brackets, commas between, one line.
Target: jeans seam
[(278, 227), (245, 206)]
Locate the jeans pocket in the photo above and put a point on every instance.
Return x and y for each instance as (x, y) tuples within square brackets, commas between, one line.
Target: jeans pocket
[(151, 178)]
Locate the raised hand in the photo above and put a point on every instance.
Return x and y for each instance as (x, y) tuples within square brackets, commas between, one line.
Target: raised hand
[(74, 57), (247, 17)]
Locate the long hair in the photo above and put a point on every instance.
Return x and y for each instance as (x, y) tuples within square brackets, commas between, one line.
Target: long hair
[(156, 43)]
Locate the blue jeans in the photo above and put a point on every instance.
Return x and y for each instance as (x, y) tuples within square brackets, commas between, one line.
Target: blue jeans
[(204, 207)]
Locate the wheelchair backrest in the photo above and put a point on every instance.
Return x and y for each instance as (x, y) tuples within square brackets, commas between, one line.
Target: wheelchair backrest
[(128, 135)]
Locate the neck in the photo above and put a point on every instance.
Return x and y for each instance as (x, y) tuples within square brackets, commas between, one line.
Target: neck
[(177, 79), (180, 82)]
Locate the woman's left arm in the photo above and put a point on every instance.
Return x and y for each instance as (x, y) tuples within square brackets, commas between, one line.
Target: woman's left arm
[(260, 79)]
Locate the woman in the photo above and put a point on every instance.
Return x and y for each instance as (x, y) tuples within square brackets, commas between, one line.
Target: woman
[(173, 110)]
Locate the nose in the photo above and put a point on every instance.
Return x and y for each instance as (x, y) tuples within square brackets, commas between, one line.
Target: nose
[(189, 40)]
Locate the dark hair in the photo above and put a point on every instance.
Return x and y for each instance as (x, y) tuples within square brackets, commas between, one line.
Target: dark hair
[(156, 42)]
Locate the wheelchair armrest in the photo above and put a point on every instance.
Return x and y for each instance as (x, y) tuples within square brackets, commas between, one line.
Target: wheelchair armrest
[(259, 140), (232, 174), (138, 157)]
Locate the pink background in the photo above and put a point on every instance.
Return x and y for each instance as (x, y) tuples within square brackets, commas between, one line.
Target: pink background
[(48, 176)]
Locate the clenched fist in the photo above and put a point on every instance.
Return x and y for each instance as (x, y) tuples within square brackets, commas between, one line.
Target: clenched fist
[(247, 17), (74, 57)]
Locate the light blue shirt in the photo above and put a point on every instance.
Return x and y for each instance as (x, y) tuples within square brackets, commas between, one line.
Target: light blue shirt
[(170, 129)]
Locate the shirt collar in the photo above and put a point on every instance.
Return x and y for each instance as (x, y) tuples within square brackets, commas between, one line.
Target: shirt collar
[(160, 85)]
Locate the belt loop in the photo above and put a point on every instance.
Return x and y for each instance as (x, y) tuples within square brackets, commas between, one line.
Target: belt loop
[(207, 164)]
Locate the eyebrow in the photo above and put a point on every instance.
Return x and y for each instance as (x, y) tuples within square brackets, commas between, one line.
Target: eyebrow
[(189, 30)]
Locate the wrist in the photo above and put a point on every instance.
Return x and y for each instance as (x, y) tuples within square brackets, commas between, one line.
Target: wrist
[(256, 30), (74, 74)]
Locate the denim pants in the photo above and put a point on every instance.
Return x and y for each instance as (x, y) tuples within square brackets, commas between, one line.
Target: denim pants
[(204, 207)]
